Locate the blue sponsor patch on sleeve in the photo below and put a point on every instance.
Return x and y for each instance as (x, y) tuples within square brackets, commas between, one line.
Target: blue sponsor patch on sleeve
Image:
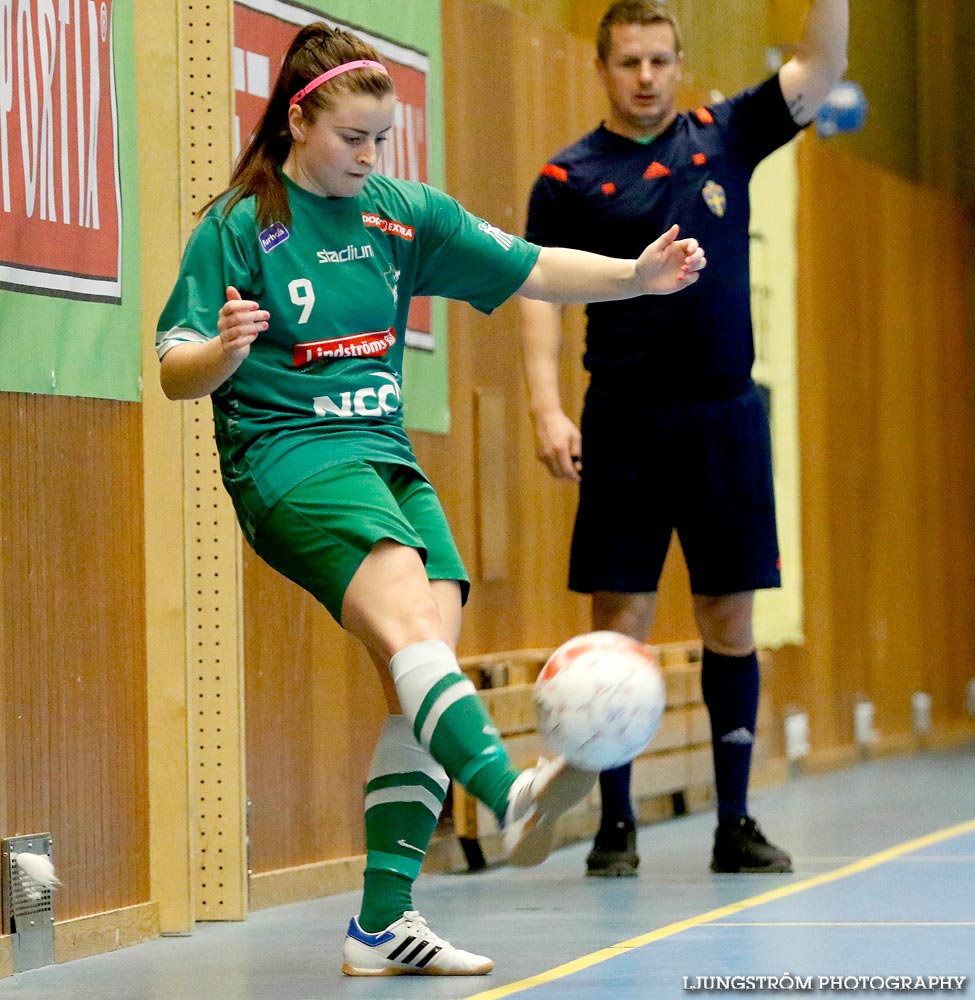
[(273, 236)]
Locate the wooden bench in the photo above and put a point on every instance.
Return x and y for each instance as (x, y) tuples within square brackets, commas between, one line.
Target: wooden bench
[(673, 774)]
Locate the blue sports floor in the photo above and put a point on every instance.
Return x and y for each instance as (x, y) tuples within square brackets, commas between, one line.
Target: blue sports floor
[(883, 893)]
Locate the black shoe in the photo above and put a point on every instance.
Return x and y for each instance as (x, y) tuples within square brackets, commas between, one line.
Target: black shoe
[(739, 846), (613, 855)]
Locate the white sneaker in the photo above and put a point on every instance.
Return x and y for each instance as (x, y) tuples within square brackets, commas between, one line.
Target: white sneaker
[(537, 799), (407, 948)]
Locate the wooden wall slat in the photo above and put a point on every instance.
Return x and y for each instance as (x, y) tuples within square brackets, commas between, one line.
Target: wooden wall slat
[(940, 72), (161, 210), (71, 601), (493, 501)]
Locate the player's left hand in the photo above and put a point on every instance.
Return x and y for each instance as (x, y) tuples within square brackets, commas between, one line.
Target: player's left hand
[(669, 264)]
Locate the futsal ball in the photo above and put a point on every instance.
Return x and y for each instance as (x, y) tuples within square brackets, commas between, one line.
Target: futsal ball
[(599, 700)]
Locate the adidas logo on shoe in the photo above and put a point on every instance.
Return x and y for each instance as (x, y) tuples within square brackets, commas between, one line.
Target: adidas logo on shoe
[(740, 736), (407, 947)]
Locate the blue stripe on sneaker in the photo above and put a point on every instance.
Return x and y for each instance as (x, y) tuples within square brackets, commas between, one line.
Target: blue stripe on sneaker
[(371, 940)]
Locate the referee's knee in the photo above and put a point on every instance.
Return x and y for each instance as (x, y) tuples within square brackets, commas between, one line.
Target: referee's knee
[(725, 623)]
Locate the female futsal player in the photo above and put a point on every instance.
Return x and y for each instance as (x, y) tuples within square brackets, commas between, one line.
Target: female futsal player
[(290, 310)]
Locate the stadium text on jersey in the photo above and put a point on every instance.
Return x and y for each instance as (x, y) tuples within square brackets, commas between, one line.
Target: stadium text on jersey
[(343, 256)]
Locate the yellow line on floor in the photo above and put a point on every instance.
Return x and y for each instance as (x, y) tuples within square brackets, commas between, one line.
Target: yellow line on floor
[(847, 923), (864, 864)]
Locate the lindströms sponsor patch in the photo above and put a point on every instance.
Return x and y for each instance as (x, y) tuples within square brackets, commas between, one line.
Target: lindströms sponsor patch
[(371, 344)]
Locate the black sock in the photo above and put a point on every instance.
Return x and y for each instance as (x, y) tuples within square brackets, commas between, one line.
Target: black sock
[(614, 794), (730, 688)]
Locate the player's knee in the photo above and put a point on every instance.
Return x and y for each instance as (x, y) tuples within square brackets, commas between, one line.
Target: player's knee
[(426, 621), (417, 620), (386, 629)]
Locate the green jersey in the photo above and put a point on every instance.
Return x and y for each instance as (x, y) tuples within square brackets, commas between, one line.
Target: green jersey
[(322, 385)]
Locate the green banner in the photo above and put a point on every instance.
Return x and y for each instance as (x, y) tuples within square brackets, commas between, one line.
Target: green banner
[(70, 320), (407, 35)]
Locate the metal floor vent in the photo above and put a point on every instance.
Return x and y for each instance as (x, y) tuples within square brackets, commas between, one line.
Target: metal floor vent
[(27, 910)]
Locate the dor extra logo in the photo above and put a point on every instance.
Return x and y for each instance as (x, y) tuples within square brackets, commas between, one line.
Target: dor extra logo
[(390, 226)]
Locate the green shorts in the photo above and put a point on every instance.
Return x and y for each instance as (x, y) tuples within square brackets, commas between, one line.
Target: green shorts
[(319, 533)]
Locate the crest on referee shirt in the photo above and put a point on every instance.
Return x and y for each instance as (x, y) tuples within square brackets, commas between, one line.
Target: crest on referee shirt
[(715, 197)]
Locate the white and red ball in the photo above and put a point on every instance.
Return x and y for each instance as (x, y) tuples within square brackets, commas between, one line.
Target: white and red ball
[(599, 700)]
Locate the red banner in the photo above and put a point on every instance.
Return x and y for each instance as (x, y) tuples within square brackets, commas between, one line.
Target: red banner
[(60, 202)]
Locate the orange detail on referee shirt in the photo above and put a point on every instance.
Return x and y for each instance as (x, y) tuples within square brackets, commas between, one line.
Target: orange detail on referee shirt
[(656, 170), (609, 188), (558, 173), (704, 116), (700, 159)]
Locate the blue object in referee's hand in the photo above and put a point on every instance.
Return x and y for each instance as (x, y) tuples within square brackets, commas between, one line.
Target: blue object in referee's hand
[(845, 110)]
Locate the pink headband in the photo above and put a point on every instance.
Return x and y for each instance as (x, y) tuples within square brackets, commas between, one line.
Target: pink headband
[(344, 68)]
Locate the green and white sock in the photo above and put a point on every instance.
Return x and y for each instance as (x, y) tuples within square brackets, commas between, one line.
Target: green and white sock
[(451, 721), (405, 793)]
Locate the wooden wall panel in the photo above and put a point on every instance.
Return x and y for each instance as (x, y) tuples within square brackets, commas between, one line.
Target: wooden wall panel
[(211, 539), (72, 704), (886, 422), (314, 709), (485, 351), (482, 172), (945, 143)]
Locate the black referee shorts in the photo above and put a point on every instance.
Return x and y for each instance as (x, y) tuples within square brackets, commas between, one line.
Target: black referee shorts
[(702, 469)]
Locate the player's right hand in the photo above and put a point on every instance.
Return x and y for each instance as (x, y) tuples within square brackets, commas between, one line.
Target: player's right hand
[(558, 445), (239, 323), (669, 264)]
